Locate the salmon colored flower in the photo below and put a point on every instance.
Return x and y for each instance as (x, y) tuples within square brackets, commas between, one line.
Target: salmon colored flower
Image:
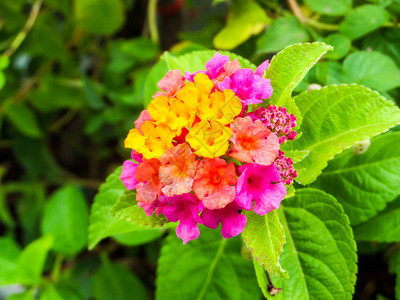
[(178, 168), (143, 117), (148, 187), (170, 84), (214, 183), (253, 142), (209, 138)]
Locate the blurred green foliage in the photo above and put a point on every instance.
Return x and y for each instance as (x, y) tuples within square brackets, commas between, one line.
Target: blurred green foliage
[(74, 75)]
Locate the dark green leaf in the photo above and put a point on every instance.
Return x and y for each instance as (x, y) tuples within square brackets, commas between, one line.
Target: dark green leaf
[(330, 7), (24, 120), (341, 45)]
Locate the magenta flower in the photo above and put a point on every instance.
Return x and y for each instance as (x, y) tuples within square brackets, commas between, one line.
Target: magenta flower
[(182, 208), (217, 68), (232, 220), (250, 87), (128, 175), (285, 168), (255, 183)]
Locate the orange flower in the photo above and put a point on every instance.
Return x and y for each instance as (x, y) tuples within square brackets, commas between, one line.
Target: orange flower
[(253, 142), (215, 182), (177, 170)]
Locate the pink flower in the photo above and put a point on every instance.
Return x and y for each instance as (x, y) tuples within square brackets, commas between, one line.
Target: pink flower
[(182, 208), (285, 168), (128, 175), (278, 120), (217, 68), (253, 142), (149, 188), (170, 84), (255, 183), (250, 87), (232, 220)]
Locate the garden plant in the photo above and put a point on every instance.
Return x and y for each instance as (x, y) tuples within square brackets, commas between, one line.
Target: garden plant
[(242, 149)]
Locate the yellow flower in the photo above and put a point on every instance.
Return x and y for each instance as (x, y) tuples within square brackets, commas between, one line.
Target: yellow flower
[(209, 138), (151, 140), (220, 106)]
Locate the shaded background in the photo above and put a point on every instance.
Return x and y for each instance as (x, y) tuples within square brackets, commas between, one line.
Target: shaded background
[(73, 78)]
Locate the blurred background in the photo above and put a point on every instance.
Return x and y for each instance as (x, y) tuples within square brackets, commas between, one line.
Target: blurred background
[(74, 75)]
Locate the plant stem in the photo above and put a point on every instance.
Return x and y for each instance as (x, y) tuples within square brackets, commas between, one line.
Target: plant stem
[(152, 17), (294, 7), (55, 273), (28, 26)]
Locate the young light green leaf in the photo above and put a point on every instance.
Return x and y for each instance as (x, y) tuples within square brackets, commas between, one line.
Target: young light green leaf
[(101, 223), (372, 69), (126, 209), (283, 32), (320, 252), (384, 227), (364, 183), (8, 258), (138, 237), (335, 118), (208, 268), (261, 278), (362, 20), (51, 292), (113, 281), (24, 120), (288, 68), (91, 15), (66, 219), (329, 7), (265, 237), (245, 18), (27, 295)]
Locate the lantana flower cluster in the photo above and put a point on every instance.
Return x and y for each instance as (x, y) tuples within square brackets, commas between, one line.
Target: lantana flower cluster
[(201, 156)]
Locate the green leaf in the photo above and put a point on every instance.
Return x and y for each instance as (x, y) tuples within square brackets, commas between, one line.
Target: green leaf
[(384, 227), (335, 118), (371, 69), (30, 262), (364, 183), (113, 281), (328, 72), (101, 223), (28, 295), (261, 278), (362, 20), (265, 237), (329, 7), (52, 292), (126, 209), (24, 120), (5, 215), (340, 43), (157, 72), (8, 256), (283, 32), (138, 237), (207, 268), (99, 16), (288, 68), (320, 252), (66, 219), (245, 18)]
